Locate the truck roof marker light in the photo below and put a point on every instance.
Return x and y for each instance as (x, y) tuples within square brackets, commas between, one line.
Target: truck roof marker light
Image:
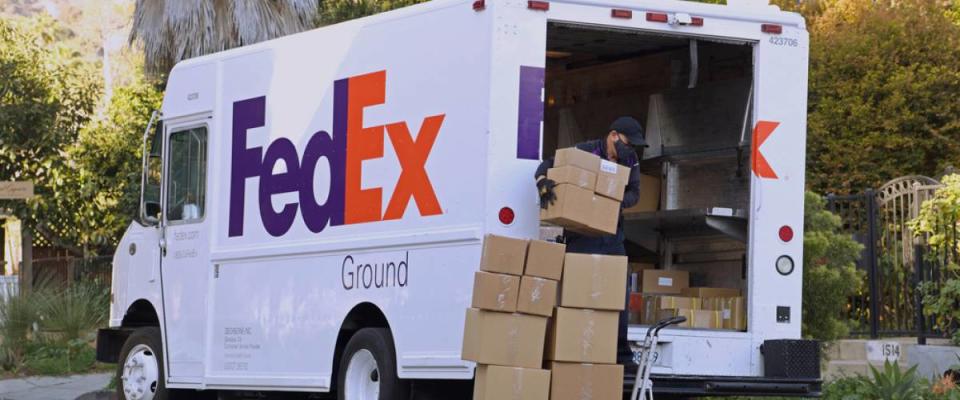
[(479, 5), (507, 215), (538, 5), (772, 29), (621, 13), (786, 233), (658, 17), (696, 21)]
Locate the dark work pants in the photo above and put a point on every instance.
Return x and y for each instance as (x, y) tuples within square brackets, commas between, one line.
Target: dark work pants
[(611, 246)]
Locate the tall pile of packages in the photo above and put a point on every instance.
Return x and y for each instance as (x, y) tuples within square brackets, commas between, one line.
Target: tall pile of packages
[(543, 322)]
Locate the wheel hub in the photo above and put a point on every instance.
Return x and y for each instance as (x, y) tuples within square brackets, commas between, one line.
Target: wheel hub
[(363, 377), (141, 374)]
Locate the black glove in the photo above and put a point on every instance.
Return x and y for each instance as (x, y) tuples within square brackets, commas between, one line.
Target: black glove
[(545, 189)]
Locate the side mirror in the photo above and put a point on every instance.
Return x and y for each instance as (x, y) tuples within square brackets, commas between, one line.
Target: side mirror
[(151, 211)]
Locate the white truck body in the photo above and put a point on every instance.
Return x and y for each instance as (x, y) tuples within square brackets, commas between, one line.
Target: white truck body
[(356, 168)]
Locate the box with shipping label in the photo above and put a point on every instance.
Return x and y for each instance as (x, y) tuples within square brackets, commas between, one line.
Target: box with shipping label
[(545, 259), (499, 383), (578, 158), (710, 292), (733, 311), (512, 340), (612, 179), (503, 255), (606, 215), (572, 209), (658, 281), (649, 200), (703, 319), (577, 335), (573, 175), (594, 281), (574, 381), (495, 292), (538, 296)]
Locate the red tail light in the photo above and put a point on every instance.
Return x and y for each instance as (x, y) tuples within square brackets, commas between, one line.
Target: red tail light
[(479, 5), (538, 5), (771, 29), (507, 216), (657, 17), (618, 13), (786, 233), (696, 21)]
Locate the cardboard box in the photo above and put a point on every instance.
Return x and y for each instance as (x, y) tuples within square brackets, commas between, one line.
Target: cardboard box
[(653, 304), (503, 255), (710, 292), (538, 296), (606, 215), (733, 311), (594, 281), (612, 180), (572, 209), (574, 176), (511, 383), (649, 195), (578, 158), (511, 340), (587, 336), (580, 210), (495, 292), (703, 319), (569, 381), (545, 259), (658, 281)]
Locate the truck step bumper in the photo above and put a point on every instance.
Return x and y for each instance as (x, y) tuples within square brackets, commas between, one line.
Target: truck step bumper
[(687, 385)]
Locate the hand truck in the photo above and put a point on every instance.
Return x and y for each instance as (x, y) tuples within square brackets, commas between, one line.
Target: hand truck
[(642, 385)]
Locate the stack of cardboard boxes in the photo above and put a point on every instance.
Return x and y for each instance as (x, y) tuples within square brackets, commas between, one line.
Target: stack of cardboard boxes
[(525, 346), (582, 336), (666, 294), (514, 293), (589, 191)]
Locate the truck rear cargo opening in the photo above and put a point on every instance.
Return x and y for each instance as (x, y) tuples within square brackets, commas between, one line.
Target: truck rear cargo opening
[(695, 94)]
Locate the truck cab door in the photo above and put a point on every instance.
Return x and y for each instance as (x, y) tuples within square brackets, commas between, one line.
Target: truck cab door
[(185, 266)]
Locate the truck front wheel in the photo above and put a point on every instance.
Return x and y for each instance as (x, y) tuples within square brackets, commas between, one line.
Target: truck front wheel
[(368, 368), (140, 370)]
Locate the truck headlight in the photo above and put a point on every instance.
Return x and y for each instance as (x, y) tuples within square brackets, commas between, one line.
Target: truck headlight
[(785, 265)]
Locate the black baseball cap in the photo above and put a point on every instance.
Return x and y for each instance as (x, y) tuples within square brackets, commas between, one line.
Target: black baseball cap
[(629, 127)]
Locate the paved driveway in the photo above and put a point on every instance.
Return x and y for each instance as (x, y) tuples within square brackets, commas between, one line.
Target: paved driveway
[(53, 388)]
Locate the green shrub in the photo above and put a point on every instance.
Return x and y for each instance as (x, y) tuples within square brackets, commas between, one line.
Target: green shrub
[(938, 220), (73, 312), (830, 276), (59, 357), (17, 316)]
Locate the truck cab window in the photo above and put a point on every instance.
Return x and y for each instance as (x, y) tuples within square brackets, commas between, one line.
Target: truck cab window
[(186, 182), (153, 170)]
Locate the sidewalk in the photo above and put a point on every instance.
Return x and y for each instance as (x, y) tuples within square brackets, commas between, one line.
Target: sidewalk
[(52, 388)]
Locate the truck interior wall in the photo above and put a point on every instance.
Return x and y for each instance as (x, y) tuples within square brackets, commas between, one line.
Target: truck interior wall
[(596, 74)]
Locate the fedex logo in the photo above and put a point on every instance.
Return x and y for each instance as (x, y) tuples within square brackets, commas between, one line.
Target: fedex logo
[(345, 151)]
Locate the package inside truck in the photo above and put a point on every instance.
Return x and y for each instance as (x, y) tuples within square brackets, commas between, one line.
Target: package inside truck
[(687, 236)]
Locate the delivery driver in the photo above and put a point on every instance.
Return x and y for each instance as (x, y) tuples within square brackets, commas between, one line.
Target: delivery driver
[(617, 146)]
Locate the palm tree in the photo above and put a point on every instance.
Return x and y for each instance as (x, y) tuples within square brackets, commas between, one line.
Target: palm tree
[(174, 30)]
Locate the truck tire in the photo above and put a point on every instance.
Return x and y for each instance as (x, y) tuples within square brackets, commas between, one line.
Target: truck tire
[(140, 372), (368, 368)]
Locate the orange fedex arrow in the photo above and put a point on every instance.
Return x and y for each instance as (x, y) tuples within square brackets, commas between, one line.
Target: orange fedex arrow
[(761, 132)]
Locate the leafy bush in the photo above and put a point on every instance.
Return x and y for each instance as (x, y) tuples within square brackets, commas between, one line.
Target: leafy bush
[(59, 357), (938, 219), (830, 276), (17, 316)]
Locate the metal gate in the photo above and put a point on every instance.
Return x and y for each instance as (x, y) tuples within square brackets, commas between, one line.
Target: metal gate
[(892, 259)]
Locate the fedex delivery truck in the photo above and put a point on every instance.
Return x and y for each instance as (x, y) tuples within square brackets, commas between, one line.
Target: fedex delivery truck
[(314, 206)]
